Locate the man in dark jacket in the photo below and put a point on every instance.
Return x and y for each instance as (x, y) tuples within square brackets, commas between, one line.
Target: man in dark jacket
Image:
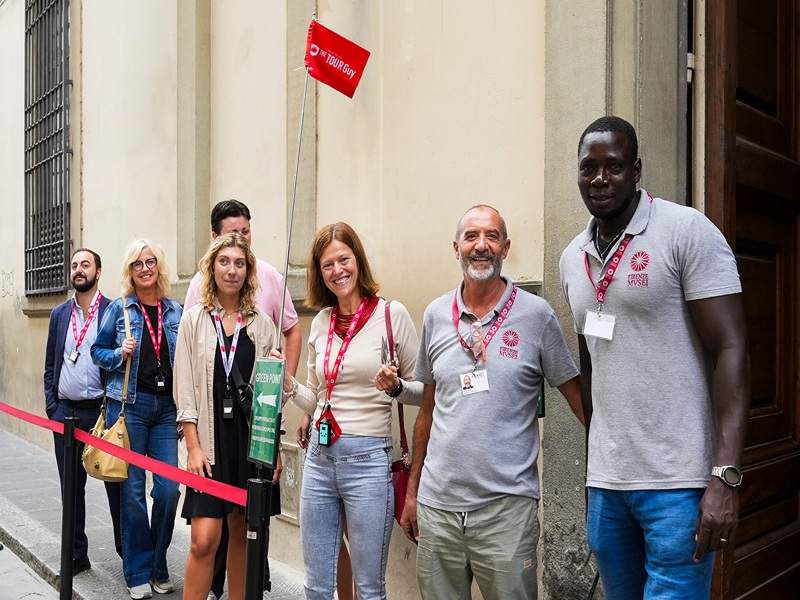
[(73, 385)]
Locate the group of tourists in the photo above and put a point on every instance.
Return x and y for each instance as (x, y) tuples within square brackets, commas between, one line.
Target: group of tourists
[(663, 389)]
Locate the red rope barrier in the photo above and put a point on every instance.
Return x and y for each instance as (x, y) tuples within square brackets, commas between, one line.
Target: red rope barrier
[(231, 493)]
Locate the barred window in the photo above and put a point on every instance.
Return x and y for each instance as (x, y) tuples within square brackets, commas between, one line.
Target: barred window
[(46, 146)]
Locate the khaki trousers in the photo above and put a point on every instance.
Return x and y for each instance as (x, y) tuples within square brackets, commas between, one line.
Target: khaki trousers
[(495, 544)]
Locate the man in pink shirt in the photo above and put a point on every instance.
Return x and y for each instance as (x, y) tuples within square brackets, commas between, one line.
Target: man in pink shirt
[(232, 216)]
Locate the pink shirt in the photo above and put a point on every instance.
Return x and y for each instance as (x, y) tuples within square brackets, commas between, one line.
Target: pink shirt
[(270, 286)]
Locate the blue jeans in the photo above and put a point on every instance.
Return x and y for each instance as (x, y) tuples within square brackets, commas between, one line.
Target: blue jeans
[(644, 542), (151, 428), (351, 481)]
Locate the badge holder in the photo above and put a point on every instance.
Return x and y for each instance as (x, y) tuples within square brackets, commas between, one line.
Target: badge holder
[(329, 430), (227, 404), (73, 356)]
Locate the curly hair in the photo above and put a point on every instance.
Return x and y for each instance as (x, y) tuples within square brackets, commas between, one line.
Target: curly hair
[(208, 285)]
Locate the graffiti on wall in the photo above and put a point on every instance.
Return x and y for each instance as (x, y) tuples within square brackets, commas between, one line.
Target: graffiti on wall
[(6, 283)]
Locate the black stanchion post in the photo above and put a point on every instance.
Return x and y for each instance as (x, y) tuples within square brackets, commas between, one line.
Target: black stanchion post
[(268, 509), (68, 507), (258, 494)]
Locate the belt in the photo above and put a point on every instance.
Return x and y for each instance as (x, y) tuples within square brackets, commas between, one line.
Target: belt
[(88, 403)]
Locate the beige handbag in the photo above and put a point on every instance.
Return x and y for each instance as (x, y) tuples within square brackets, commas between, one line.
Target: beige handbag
[(99, 464)]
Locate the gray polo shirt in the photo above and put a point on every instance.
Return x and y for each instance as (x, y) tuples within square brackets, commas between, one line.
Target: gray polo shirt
[(484, 446), (653, 425)]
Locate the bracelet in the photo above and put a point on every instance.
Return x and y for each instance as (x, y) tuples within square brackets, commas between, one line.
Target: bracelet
[(396, 390)]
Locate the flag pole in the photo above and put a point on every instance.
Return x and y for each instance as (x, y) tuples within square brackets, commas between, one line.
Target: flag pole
[(291, 212)]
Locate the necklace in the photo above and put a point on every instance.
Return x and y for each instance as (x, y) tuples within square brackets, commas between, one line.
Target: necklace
[(606, 247)]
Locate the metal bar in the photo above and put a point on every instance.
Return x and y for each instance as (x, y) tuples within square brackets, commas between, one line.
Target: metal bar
[(291, 212), (70, 468)]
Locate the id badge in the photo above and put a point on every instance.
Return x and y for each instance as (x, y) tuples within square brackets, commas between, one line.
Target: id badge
[(332, 431), (161, 383), (473, 382), (324, 433), (599, 324), (227, 405), (73, 356)]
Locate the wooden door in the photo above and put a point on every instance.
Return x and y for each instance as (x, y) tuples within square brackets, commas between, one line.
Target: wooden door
[(753, 195)]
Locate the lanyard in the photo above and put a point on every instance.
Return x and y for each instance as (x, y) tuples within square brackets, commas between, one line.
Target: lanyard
[(601, 290), (227, 359), (331, 376), (492, 330), (156, 340), (92, 312)]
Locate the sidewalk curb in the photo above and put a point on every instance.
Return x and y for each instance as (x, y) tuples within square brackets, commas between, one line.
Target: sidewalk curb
[(14, 545)]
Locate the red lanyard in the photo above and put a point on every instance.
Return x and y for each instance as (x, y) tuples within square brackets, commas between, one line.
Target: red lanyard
[(492, 330), (602, 289), (227, 359), (608, 276), (92, 312), (156, 340), (331, 376)]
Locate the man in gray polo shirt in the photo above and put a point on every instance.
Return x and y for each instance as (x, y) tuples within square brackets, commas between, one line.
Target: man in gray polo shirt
[(472, 496), (655, 295)]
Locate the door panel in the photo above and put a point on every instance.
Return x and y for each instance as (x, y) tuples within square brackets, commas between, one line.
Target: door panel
[(752, 193)]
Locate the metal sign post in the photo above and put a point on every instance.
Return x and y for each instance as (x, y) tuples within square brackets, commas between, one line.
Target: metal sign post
[(265, 432)]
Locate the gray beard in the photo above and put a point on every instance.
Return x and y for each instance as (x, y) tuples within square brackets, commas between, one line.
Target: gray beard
[(481, 274)]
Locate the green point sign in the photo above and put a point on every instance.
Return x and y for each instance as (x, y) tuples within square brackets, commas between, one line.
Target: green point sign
[(265, 419)]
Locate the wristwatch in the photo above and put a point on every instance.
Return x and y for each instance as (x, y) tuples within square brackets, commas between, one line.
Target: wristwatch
[(397, 390), (730, 475)]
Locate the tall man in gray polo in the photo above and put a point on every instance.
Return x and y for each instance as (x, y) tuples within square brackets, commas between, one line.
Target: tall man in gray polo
[(654, 291), (474, 488)]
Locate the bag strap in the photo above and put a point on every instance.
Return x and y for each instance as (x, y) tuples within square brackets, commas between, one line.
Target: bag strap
[(390, 339), (127, 362)]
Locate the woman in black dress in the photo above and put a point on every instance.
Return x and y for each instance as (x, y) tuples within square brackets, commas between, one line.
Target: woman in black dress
[(218, 342)]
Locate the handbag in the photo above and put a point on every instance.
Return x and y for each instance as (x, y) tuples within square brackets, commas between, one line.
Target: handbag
[(99, 464), (400, 468)]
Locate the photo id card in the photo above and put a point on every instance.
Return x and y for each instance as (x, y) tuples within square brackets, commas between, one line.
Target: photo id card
[(473, 382), (599, 324), (73, 356)]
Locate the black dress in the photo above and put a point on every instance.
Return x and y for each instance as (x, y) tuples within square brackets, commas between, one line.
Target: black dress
[(231, 439)]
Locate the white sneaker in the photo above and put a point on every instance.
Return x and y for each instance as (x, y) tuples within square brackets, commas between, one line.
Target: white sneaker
[(140, 592), (163, 587)]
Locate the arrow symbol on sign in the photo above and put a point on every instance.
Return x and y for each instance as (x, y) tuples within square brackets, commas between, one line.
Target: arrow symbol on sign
[(270, 399)]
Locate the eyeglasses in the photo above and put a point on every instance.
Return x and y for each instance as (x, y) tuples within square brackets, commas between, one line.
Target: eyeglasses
[(150, 263)]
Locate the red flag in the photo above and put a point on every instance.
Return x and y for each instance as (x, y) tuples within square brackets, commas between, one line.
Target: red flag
[(334, 60)]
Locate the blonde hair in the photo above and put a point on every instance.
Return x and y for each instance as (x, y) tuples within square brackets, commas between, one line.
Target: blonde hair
[(208, 285), (319, 296), (132, 255)]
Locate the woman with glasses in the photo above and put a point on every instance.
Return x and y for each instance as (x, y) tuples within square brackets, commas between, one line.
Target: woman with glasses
[(149, 409)]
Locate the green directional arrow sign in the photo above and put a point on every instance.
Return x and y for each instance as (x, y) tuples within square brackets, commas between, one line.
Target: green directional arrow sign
[(265, 421)]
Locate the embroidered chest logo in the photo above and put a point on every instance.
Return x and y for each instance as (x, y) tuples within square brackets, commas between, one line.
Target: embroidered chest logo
[(639, 262), (510, 341)]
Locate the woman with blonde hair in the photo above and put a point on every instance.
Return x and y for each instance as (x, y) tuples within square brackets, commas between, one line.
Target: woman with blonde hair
[(350, 391), (219, 340), (152, 319)]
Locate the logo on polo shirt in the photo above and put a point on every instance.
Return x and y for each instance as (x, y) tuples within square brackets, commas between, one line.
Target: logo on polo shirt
[(510, 340), (639, 262)]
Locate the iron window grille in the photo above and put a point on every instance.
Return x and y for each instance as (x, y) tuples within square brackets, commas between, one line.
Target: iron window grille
[(47, 151)]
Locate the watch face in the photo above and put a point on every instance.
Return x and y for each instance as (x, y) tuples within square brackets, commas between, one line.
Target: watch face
[(732, 476)]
